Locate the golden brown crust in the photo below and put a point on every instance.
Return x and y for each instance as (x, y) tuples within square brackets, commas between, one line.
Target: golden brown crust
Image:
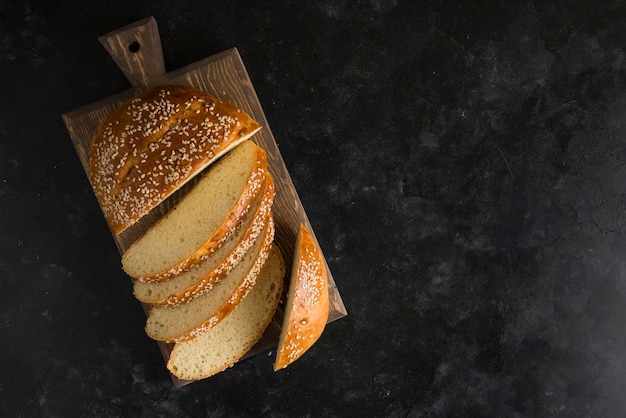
[(226, 228), (153, 144), (259, 220), (306, 311)]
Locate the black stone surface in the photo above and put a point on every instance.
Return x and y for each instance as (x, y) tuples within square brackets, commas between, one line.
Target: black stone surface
[(463, 165)]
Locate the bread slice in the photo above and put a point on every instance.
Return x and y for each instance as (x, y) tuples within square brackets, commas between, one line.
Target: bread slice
[(151, 145), (203, 220), (306, 309), (188, 320), (228, 341), (197, 280)]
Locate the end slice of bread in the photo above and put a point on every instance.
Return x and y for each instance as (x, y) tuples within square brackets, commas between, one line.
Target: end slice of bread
[(306, 309), (203, 277), (222, 346), (203, 220), (188, 320)]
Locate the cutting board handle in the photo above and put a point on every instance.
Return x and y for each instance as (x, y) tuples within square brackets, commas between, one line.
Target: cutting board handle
[(137, 50)]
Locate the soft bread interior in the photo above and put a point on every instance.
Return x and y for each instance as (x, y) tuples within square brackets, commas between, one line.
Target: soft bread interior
[(203, 277), (202, 220), (185, 321), (231, 339)]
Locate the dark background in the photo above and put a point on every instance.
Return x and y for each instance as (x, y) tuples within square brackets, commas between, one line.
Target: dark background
[(462, 163)]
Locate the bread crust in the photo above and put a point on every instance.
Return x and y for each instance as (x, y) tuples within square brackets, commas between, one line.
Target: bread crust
[(154, 143), (307, 307), (259, 220), (220, 235)]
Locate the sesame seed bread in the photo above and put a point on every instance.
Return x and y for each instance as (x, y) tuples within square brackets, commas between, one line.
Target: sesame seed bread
[(188, 320), (222, 346), (151, 145), (204, 218), (197, 280), (306, 309)]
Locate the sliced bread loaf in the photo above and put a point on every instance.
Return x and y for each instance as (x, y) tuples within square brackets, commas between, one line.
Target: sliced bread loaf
[(153, 144), (306, 309), (201, 278), (228, 341), (183, 322), (203, 219)]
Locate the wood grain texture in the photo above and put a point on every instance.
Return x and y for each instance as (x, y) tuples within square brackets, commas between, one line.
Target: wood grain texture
[(137, 51), (224, 76)]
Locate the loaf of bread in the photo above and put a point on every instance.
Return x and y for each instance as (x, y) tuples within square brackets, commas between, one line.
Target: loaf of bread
[(208, 268), (153, 144), (204, 218), (306, 309), (188, 320), (197, 280), (228, 341)]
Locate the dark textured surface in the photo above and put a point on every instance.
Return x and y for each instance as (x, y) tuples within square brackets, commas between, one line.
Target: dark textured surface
[(464, 168)]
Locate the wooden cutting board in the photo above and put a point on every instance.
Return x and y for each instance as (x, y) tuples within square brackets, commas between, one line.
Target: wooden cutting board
[(137, 50)]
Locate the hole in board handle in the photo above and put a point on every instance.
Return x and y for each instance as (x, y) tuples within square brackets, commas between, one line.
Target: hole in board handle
[(134, 46)]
